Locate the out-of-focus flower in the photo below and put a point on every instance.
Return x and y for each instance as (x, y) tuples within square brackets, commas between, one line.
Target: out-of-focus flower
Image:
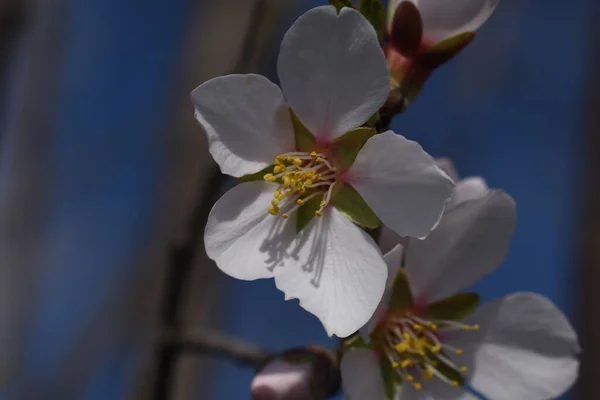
[(320, 172), (423, 35), (426, 341), (302, 374)]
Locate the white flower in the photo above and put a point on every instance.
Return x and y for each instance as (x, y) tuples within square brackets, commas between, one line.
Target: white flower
[(422, 348), (443, 19), (334, 77)]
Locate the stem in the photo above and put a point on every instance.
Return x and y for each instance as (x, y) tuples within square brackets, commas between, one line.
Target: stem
[(206, 342)]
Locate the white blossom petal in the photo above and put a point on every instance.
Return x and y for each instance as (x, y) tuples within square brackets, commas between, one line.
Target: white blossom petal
[(470, 242), (361, 375), (336, 271), (332, 70), (241, 236), (467, 189), (526, 349), (246, 120), (443, 19), (434, 389), (393, 261), (446, 165), (401, 183)]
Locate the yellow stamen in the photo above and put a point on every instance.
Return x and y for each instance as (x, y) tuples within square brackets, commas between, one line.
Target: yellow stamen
[(318, 213), (273, 210), (269, 178), (417, 386)]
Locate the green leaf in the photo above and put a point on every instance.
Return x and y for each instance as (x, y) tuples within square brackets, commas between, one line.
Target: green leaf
[(374, 12), (455, 308), (391, 379), (401, 298), (339, 4), (305, 141), (306, 213), (258, 176), (445, 50), (346, 147), (350, 203)]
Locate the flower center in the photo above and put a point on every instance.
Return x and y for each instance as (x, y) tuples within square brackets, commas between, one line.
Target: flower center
[(301, 176), (415, 349)]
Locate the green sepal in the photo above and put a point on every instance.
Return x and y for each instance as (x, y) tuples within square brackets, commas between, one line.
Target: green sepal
[(455, 308), (339, 4), (347, 146), (257, 176), (350, 203), (305, 141), (306, 212), (401, 298), (391, 379), (374, 12), (445, 50), (354, 342)]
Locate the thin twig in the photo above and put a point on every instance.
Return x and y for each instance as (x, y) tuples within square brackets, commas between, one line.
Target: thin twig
[(216, 343)]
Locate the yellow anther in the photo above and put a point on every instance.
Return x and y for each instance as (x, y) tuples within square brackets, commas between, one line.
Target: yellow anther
[(322, 204), (290, 159), (318, 213), (308, 182), (459, 352), (406, 364), (269, 177), (300, 202), (475, 328), (417, 386), (432, 326), (285, 216), (467, 328), (317, 177), (418, 328), (286, 182), (395, 365), (277, 169), (463, 369), (455, 384), (297, 161), (280, 157), (275, 202), (428, 374), (435, 363), (436, 349), (301, 189), (401, 348), (273, 210), (406, 337), (313, 154), (319, 160), (410, 378), (277, 193)]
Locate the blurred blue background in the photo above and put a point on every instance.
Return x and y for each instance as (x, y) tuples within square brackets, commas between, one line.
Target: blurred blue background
[(101, 159)]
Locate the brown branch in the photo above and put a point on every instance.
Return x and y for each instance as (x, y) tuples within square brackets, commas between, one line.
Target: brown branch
[(216, 343)]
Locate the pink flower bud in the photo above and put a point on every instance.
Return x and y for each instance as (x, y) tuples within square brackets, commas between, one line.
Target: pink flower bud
[(443, 19), (310, 373), (283, 380)]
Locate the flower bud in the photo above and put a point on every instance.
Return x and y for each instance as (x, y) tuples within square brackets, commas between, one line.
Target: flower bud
[(299, 374)]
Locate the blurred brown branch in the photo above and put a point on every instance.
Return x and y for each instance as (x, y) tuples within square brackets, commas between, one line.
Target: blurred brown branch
[(216, 343)]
